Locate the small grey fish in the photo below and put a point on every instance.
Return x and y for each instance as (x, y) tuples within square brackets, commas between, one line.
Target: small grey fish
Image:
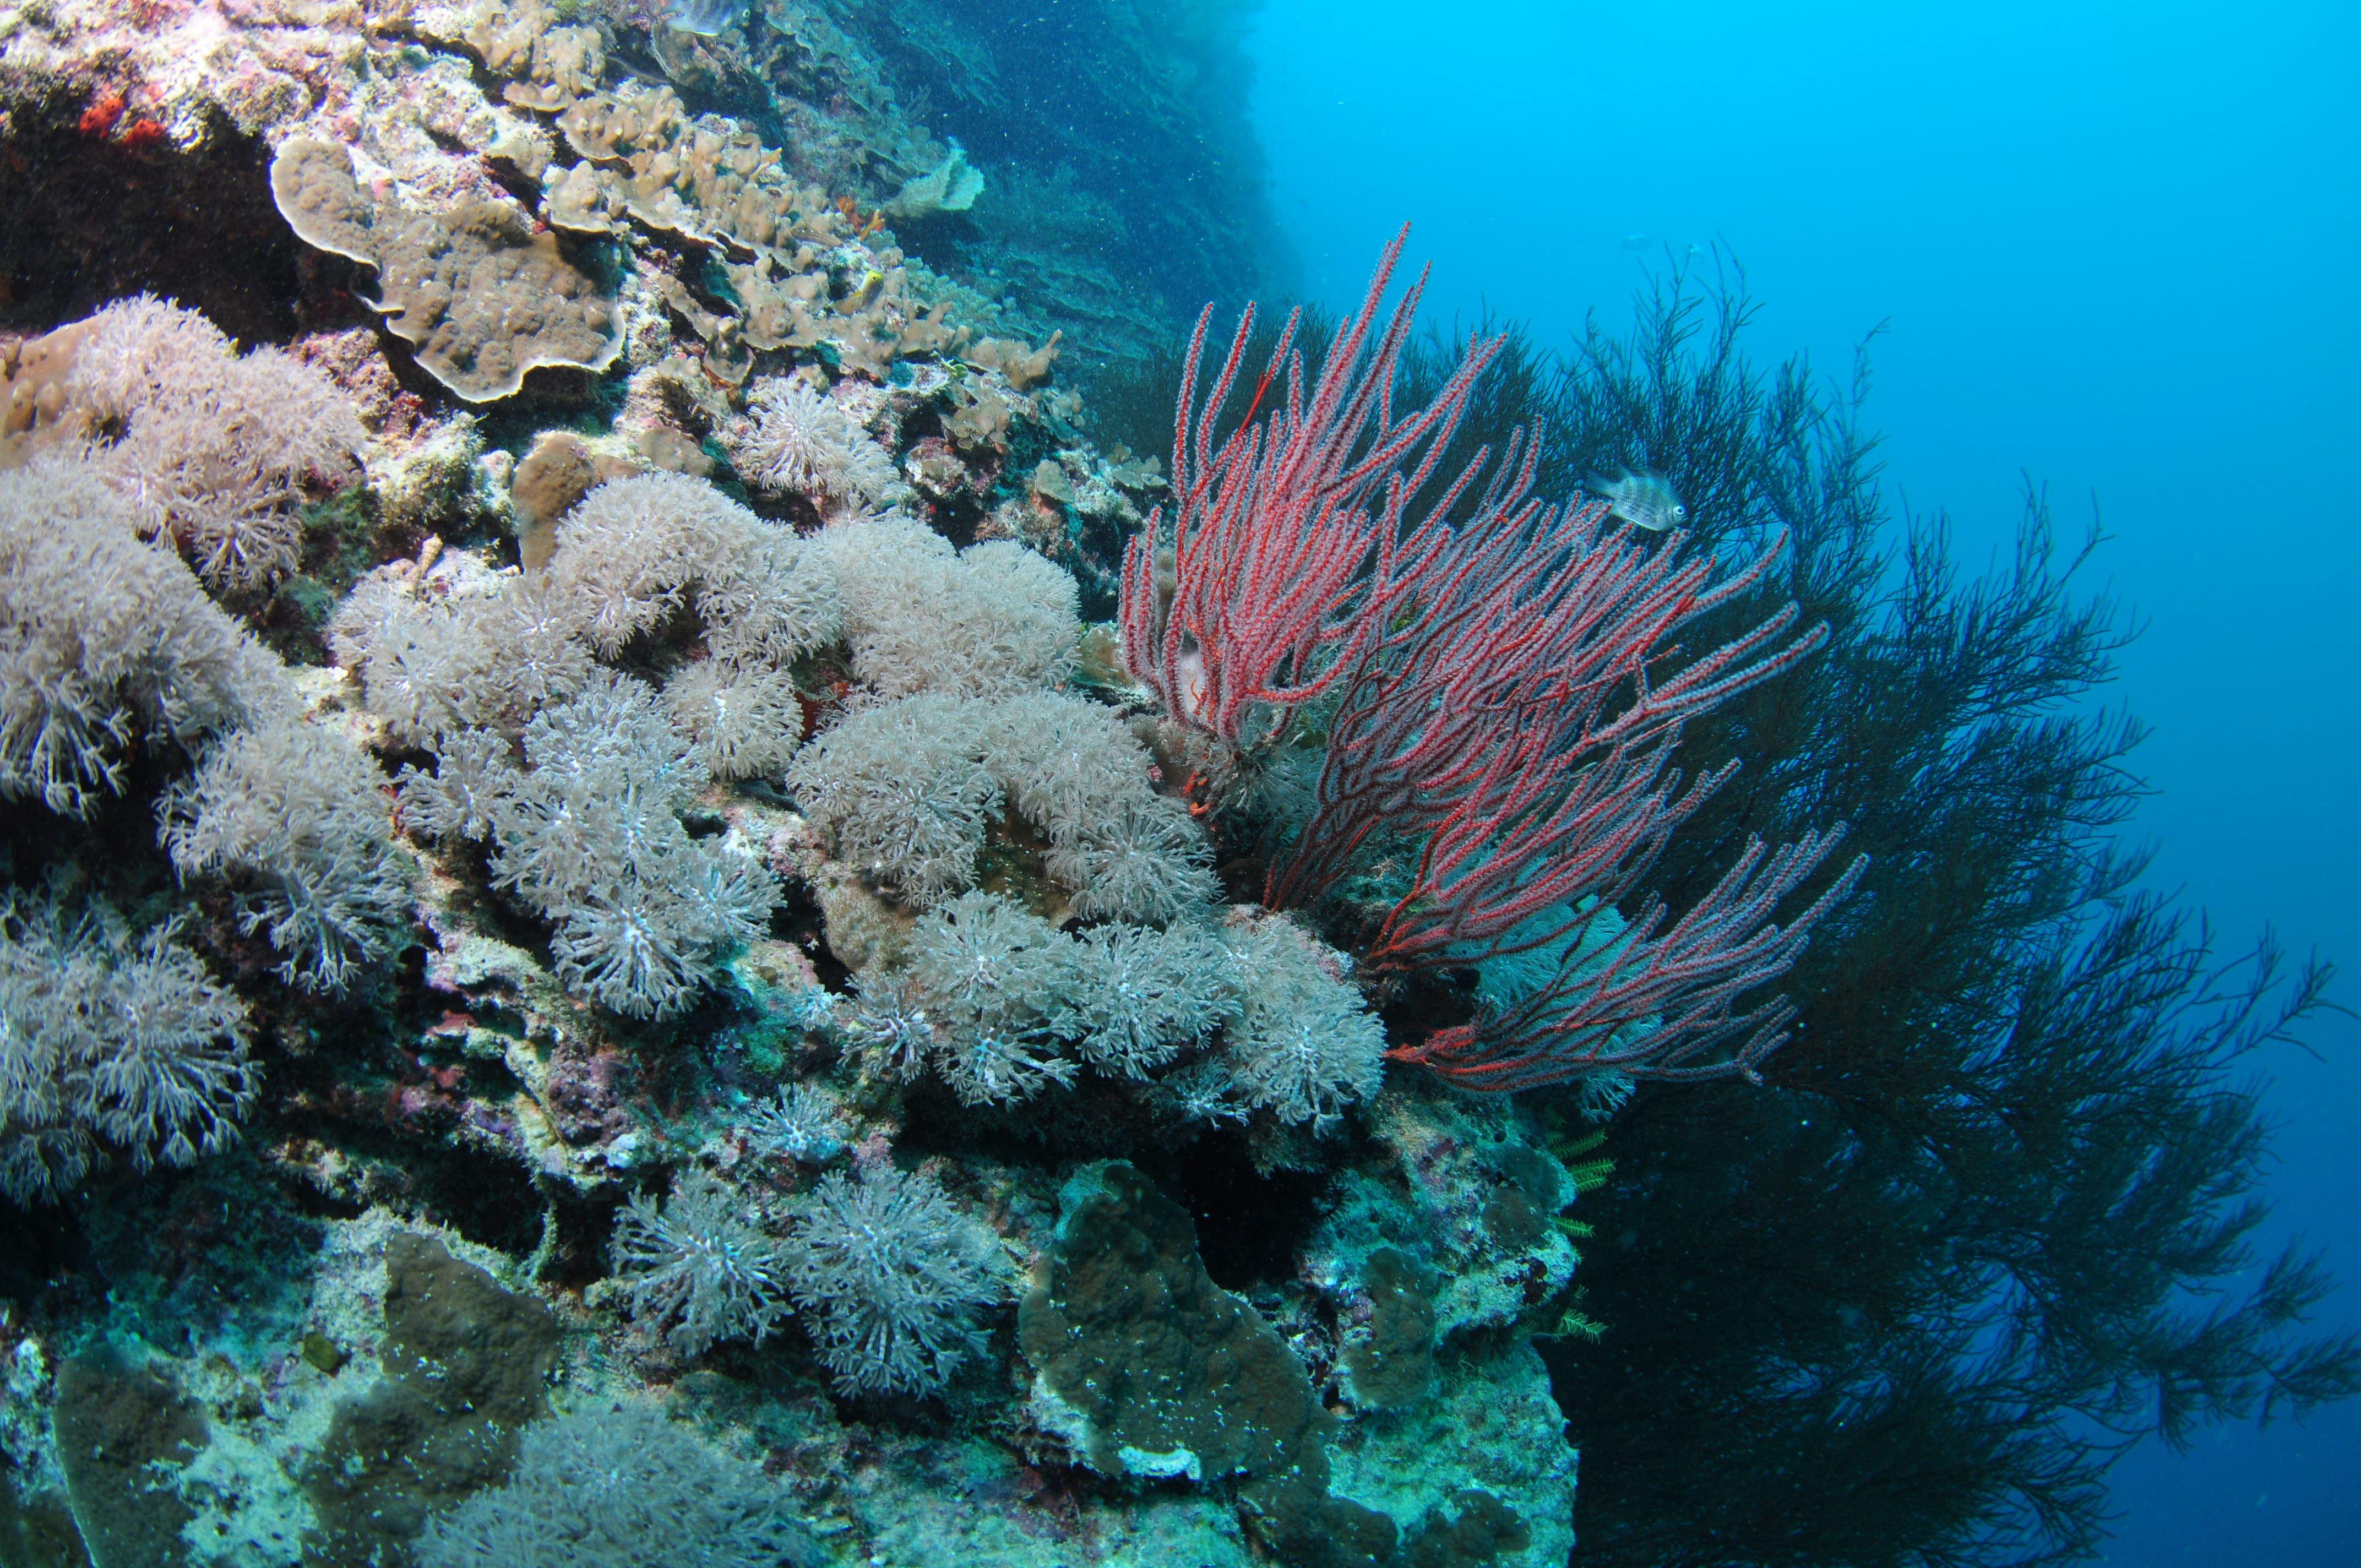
[(706, 18), (1644, 500)]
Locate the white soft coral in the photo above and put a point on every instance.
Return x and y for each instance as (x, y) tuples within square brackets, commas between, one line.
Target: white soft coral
[(795, 441)]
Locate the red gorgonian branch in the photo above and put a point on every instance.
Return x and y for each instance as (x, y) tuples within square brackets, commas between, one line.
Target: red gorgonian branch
[(1507, 713), (1285, 534), (1504, 695), (1512, 722), (1653, 1003)]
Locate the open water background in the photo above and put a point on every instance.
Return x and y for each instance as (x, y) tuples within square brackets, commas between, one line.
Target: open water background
[(2115, 248)]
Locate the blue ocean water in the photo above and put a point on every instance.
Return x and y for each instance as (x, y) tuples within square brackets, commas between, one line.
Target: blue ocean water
[(2114, 250)]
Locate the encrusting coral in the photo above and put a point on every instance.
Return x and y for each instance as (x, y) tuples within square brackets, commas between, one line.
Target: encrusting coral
[(480, 295)]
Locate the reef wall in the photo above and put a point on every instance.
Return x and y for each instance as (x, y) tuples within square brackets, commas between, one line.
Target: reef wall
[(597, 944)]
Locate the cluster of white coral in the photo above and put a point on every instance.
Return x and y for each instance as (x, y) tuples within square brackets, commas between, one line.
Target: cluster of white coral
[(208, 448), (111, 652)]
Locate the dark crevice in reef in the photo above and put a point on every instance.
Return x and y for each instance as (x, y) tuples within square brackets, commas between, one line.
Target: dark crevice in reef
[(503, 919), (315, 1202), (37, 847), (1419, 1007), (40, 1248), (98, 208), (1092, 1119), (575, 1244), (798, 918), (1250, 1226), (487, 1197)]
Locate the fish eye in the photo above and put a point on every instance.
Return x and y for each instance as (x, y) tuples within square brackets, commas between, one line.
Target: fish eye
[(1680, 511)]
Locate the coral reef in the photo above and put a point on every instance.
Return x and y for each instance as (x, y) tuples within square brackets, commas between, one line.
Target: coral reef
[(774, 962), (1147, 1368), (799, 443), (763, 863), (992, 619), (951, 186), (462, 1364), (907, 791)]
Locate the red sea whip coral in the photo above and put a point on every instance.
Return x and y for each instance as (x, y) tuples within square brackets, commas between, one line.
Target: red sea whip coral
[(1502, 699), (1280, 567)]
